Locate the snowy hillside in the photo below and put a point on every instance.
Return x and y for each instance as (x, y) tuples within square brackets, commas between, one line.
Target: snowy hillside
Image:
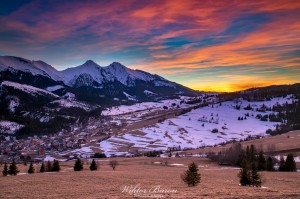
[(145, 106), (8, 127), (67, 103), (27, 89), (33, 67), (209, 125)]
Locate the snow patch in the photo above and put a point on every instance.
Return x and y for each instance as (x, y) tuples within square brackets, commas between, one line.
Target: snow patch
[(72, 103), (147, 92), (8, 127), (27, 89), (54, 88), (130, 97)]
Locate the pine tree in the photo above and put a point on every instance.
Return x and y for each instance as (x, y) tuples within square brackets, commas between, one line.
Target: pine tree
[(281, 164), (5, 170), (56, 166), (255, 177), (290, 164), (270, 164), (261, 162), (42, 169), (49, 166), (244, 174), (78, 165), (93, 166), (247, 154), (191, 177), (31, 169), (13, 169), (252, 154)]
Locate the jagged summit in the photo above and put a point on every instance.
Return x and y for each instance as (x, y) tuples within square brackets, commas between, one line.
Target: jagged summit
[(90, 62)]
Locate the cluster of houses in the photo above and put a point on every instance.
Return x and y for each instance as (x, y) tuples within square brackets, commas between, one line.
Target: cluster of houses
[(35, 148)]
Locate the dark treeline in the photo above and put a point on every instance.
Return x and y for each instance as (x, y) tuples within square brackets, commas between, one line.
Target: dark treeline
[(263, 93), (235, 156), (289, 115), (153, 153)]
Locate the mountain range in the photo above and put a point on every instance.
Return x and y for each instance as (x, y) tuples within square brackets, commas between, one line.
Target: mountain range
[(110, 83), (35, 93)]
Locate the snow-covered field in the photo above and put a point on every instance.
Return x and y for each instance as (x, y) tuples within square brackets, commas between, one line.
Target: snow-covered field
[(9, 127), (54, 88), (72, 103), (124, 109), (194, 129)]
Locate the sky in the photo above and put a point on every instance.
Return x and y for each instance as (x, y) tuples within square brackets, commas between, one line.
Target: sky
[(205, 45)]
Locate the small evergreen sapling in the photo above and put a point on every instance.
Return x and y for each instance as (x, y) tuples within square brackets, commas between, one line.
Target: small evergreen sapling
[(191, 177), (49, 166), (290, 164), (31, 169), (270, 164), (5, 170), (281, 164), (78, 165), (93, 166), (42, 169), (13, 169), (56, 166)]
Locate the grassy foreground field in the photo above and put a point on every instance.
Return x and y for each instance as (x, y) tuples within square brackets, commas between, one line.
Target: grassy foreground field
[(151, 176)]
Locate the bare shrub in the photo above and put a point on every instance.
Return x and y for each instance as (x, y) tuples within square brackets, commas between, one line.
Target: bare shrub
[(113, 164)]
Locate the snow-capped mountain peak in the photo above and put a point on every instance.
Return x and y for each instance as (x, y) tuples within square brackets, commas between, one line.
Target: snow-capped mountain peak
[(128, 76), (89, 71), (87, 74)]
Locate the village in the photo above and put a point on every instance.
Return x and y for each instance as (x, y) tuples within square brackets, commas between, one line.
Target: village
[(37, 148)]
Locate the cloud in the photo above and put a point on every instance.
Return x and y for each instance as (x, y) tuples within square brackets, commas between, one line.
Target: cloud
[(161, 35)]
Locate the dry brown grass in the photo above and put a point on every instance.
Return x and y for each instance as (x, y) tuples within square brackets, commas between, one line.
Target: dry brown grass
[(216, 181)]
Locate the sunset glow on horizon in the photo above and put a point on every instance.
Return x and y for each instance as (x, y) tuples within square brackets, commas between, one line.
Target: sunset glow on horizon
[(205, 45)]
